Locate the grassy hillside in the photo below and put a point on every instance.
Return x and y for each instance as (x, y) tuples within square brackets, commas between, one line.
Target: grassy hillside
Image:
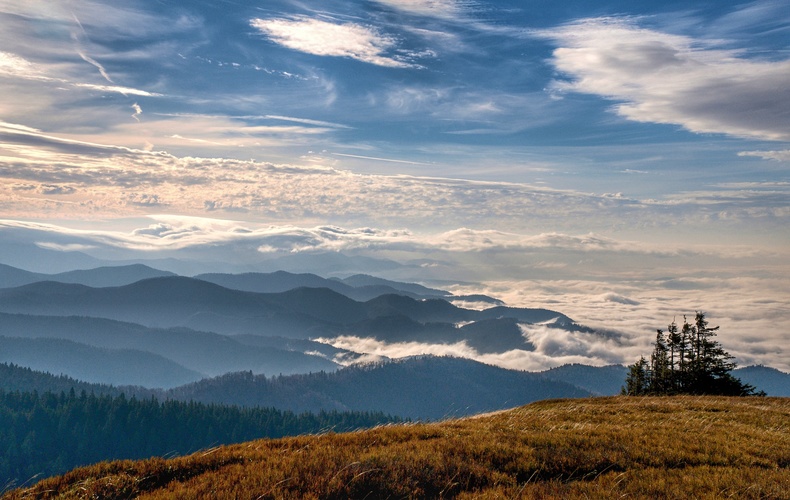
[(678, 447)]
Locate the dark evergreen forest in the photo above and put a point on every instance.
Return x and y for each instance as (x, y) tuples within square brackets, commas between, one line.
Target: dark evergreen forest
[(42, 434)]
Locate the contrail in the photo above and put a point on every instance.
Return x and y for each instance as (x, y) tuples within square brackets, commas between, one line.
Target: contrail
[(380, 159), (85, 57)]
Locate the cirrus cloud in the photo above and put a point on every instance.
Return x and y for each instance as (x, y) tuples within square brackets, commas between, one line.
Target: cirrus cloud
[(433, 8), (323, 38), (782, 155), (673, 79)]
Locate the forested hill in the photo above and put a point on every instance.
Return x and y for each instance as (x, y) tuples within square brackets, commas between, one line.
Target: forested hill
[(423, 387), (15, 378), (46, 434)]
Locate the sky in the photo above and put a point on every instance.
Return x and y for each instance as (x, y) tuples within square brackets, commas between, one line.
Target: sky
[(622, 162)]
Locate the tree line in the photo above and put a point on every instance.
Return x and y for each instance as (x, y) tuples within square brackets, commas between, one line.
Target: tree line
[(48, 433), (686, 360)]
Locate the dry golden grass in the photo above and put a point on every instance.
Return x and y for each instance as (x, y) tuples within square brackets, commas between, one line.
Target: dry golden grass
[(658, 447)]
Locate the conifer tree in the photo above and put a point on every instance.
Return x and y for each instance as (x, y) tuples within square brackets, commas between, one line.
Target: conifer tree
[(690, 361), (677, 350), (660, 372), (636, 384)]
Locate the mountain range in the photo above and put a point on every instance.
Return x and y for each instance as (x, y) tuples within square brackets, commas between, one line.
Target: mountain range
[(302, 312), (226, 337), (201, 353)]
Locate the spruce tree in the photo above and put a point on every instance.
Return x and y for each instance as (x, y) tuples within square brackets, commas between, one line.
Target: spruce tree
[(660, 372), (677, 353), (636, 384)]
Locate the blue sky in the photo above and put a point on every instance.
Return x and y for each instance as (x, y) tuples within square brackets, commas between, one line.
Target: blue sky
[(500, 141)]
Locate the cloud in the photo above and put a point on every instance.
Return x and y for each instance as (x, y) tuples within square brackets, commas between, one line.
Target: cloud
[(558, 343), (318, 194), (145, 200), (74, 247), (553, 348), (673, 79), (14, 65), (434, 8), (39, 141), (56, 189), (749, 309), (305, 121), (324, 38), (613, 297), (387, 160), (782, 155), (116, 89), (137, 111)]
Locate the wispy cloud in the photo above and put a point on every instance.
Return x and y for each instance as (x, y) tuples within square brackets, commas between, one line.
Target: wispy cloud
[(320, 192), (78, 36), (388, 160), (138, 110), (436, 8), (14, 65), (116, 89), (782, 155), (324, 38), (673, 79), (305, 121)]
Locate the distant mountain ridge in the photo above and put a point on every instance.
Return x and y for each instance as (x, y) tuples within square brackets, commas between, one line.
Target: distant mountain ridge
[(176, 301), (203, 329), (423, 387), (203, 354), (97, 277), (95, 364), (358, 287)]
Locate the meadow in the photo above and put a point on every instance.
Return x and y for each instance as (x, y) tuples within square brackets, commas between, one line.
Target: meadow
[(638, 447)]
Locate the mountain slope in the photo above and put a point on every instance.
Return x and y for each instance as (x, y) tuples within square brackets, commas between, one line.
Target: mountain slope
[(590, 448), (421, 388), (94, 364), (209, 353), (770, 380), (97, 277), (600, 380), (413, 289), (276, 282), (15, 378), (359, 287), (13, 277), (110, 275), (46, 433)]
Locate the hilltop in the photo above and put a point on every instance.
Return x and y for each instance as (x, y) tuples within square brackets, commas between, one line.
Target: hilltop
[(597, 447)]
